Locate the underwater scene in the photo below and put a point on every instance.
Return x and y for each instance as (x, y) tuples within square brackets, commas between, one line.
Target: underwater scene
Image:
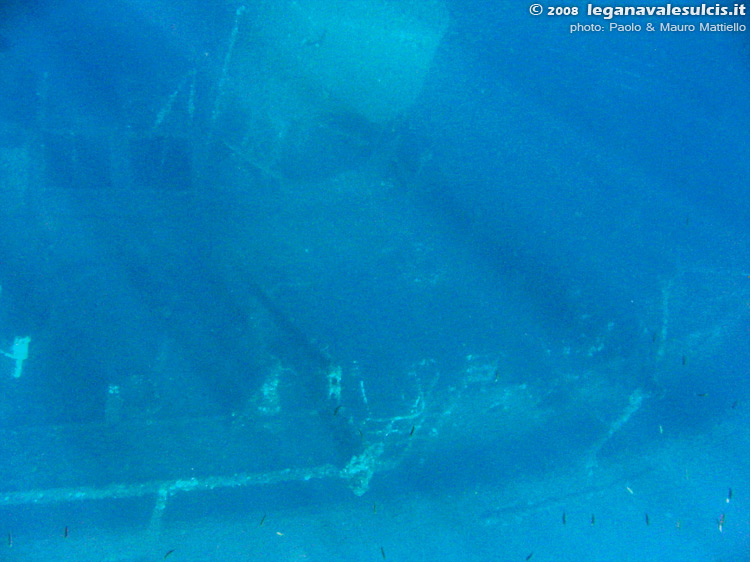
[(374, 280)]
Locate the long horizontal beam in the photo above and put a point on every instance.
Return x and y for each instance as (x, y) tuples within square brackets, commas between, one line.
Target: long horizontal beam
[(167, 487)]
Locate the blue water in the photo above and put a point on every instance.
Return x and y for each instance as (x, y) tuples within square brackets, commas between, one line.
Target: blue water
[(372, 281)]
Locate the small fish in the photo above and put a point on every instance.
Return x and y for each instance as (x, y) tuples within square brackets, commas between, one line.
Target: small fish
[(65, 532), (497, 373), (530, 555), (661, 429), (564, 518), (629, 489), (593, 519), (701, 394), (648, 521), (721, 523), (684, 360), (374, 508), (169, 552), (262, 519), (729, 495), (336, 409), (678, 524), (309, 42), (382, 552), (412, 430), (10, 539), (734, 404)]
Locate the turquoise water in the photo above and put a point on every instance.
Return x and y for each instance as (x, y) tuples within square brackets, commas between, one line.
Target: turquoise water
[(372, 280)]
